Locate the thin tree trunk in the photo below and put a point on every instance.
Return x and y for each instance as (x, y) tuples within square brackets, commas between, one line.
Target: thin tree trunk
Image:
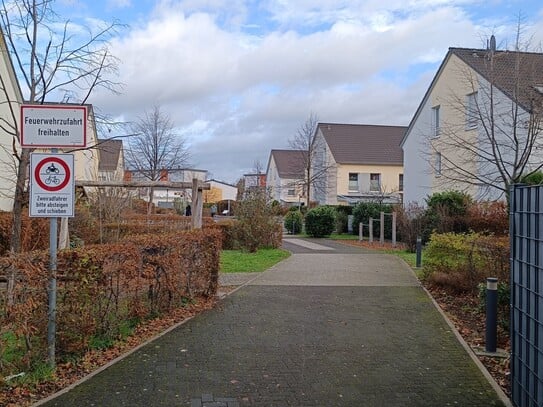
[(17, 220)]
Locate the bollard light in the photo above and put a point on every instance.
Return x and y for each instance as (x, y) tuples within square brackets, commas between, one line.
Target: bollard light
[(491, 314), (419, 252)]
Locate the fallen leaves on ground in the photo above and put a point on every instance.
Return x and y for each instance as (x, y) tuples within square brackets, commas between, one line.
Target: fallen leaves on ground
[(68, 373)]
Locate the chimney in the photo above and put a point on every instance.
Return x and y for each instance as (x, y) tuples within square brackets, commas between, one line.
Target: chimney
[(492, 43)]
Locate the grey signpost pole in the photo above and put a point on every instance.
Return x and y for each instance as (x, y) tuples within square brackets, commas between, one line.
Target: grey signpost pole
[(52, 288), (54, 127)]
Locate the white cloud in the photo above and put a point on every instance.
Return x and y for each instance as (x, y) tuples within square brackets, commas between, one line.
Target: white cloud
[(237, 93)]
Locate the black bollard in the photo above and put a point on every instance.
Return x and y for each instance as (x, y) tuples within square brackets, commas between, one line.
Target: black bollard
[(419, 252), (491, 314)]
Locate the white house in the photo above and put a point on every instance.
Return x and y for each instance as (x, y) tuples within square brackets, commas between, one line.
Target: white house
[(476, 126), (10, 102), (165, 197), (285, 175)]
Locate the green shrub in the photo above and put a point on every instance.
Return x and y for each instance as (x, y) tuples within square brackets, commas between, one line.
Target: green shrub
[(446, 213), (320, 221), (362, 213), (535, 178), (462, 261), (293, 222), (342, 222)]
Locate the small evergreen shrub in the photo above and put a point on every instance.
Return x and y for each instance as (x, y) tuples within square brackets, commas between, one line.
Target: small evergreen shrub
[(535, 178), (293, 222), (363, 211), (320, 221), (342, 222), (446, 213)]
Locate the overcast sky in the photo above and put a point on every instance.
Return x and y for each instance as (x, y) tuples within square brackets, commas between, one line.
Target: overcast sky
[(239, 77)]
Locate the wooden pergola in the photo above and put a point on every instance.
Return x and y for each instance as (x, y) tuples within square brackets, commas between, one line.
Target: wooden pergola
[(196, 185)]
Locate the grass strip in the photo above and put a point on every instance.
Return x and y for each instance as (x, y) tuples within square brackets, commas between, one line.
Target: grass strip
[(238, 261)]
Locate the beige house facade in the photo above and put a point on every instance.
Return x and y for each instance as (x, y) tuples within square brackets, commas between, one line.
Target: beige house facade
[(474, 126), (10, 101), (358, 163)]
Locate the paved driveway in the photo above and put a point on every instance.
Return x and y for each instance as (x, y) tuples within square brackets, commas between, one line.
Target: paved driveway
[(330, 326)]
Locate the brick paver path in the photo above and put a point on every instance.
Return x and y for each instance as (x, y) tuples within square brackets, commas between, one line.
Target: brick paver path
[(372, 339)]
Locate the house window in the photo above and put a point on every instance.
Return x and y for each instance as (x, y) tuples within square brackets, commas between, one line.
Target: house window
[(438, 164), (471, 110), (375, 182), (400, 182), (291, 192), (353, 181), (435, 121)]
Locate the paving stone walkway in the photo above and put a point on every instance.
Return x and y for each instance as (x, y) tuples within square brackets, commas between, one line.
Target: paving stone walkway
[(330, 328)]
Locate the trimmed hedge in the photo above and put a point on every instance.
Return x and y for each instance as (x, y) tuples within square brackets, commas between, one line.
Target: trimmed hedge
[(320, 221), (34, 233), (102, 288)]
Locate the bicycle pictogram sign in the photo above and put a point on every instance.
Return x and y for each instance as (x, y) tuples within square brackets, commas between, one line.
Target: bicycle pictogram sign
[(52, 174)]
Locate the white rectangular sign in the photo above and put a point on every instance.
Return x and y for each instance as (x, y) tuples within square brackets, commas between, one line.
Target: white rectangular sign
[(52, 186), (53, 126)]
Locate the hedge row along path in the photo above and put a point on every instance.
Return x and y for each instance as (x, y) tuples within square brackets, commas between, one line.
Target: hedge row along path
[(329, 326)]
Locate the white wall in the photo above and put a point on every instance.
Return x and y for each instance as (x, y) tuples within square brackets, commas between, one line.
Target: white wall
[(8, 165), (416, 179)]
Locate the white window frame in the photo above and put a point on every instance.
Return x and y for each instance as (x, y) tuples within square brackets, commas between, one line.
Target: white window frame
[(352, 187), (471, 111), (438, 164), (373, 187), (436, 120)]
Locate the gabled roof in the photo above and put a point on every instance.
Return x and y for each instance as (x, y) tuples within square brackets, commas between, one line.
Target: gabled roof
[(109, 152), (515, 73), (364, 144), (290, 163), (11, 68), (221, 182), (507, 68)]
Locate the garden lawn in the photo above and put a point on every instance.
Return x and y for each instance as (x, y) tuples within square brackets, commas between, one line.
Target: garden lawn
[(238, 261)]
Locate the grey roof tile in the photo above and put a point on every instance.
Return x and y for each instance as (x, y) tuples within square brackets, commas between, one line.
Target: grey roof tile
[(364, 144)]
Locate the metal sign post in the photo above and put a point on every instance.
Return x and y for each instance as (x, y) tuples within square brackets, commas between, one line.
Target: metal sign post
[(52, 192), (52, 186)]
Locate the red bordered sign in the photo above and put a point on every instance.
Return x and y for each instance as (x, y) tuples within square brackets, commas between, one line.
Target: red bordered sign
[(51, 185), (53, 126), (52, 174)]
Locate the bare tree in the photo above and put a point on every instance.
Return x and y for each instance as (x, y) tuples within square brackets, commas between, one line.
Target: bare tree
[(498, 139), (155, 147), (315, 171), (258, 167), (54, 65)]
